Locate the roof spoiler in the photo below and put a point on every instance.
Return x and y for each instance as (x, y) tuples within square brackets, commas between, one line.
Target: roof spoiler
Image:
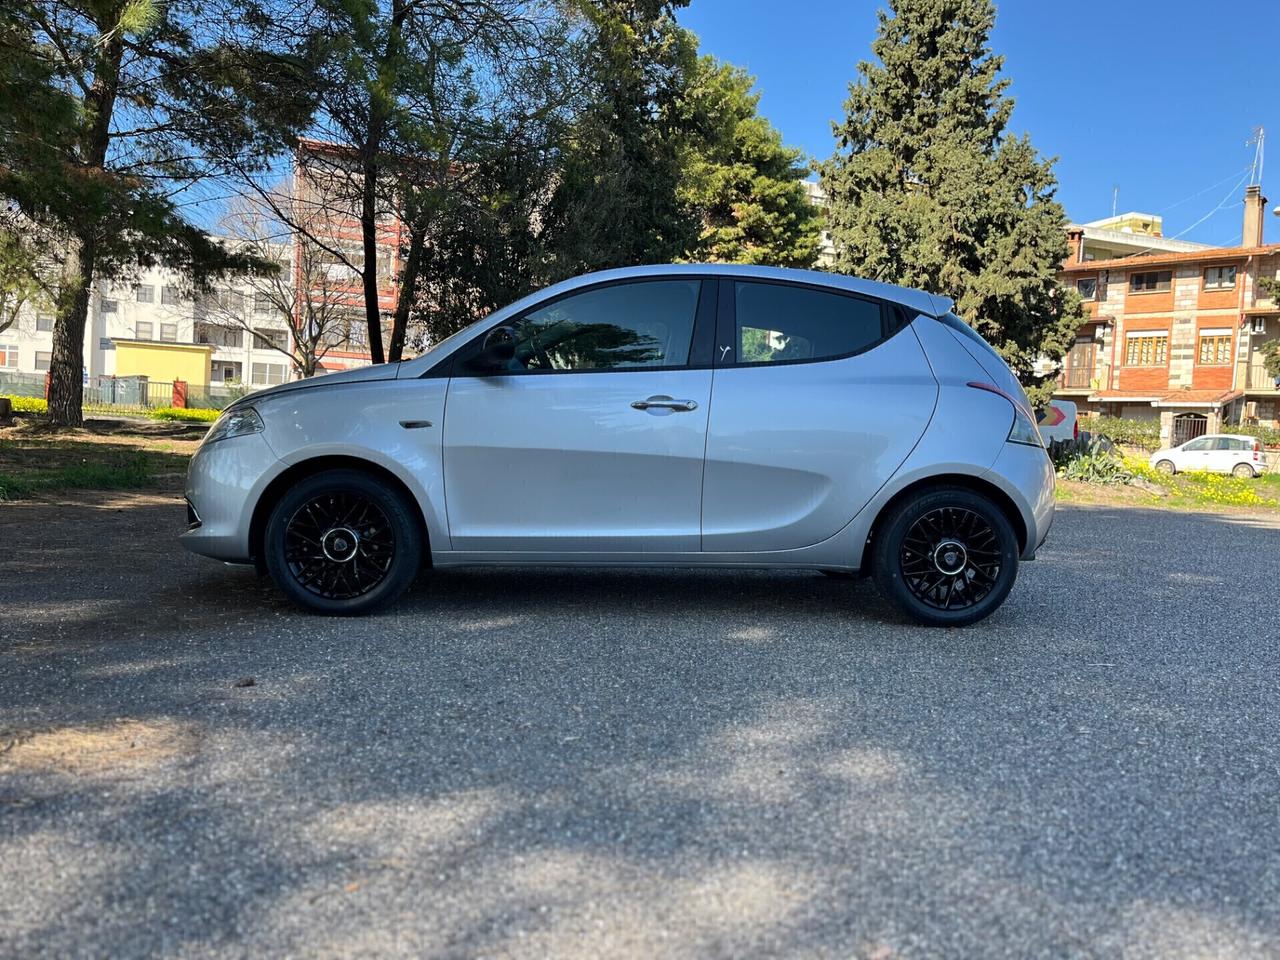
[(942, 304)]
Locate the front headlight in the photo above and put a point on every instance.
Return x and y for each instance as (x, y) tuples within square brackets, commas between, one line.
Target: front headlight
[(236, 422)]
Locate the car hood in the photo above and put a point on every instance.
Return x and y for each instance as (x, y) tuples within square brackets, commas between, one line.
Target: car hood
[(379, 371)]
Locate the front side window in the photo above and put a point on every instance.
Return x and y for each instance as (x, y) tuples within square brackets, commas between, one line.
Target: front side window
[(1146, 350), (1196, 446), (1220, 278), (1215, 348), (628, 325), (777, 323), (1153, 282)]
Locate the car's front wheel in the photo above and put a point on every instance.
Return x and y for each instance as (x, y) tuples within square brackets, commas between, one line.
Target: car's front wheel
[(343, 542), (1167, 468), (946, 556)]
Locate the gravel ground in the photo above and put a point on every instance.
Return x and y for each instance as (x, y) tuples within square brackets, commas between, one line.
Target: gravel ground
[(639, 763)]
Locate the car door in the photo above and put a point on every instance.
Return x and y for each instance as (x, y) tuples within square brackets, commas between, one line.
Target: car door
[(819, 396), (592, 437), (1194, 454)]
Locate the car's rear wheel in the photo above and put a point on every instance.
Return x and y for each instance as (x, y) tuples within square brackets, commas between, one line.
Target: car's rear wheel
[(1167, 468), (946, 556), (343, 542), (1243, 471)]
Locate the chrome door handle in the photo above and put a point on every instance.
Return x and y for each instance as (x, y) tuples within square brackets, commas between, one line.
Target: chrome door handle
[(664, 403)]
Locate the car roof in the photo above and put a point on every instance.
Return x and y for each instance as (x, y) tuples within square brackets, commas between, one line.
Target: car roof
[(1229, 436), (918, 300)]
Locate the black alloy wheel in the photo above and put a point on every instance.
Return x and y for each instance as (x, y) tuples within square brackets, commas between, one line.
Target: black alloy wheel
[(343, 542), (946, 556)]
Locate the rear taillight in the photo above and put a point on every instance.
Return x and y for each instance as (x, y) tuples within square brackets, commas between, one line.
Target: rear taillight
[(1075, 430)]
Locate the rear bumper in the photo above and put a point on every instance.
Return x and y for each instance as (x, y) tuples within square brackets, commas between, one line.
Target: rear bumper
[(1025, 473)]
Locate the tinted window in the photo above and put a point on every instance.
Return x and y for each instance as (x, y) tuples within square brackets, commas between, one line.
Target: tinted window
[(646, 324), (777, 323)]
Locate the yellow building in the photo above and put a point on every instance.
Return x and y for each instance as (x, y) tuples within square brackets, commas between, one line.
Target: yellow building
[(164, 362)]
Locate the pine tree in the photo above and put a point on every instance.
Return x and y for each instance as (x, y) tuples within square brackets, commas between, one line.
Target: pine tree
[(742, 179), (616, 202), (928, 190)]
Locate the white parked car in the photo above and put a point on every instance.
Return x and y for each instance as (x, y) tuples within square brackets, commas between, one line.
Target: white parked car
[(1236, 454), (677, 416)]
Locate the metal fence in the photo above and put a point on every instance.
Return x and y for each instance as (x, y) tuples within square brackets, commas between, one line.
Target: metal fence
[(123, 394)]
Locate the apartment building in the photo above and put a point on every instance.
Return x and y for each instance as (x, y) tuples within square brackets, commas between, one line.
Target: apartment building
[(1174, 329), (151, 326)]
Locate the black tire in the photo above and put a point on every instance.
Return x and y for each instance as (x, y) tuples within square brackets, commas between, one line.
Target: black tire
[(946, 556), (343, 542), (1167, 468), (1243, 471)]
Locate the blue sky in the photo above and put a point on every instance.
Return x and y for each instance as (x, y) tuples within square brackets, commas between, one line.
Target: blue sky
[(1156, 97)]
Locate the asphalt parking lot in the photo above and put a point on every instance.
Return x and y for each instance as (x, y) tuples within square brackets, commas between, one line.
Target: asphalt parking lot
[(639, 763)]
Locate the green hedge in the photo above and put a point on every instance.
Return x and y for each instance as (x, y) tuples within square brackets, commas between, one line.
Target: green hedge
[(30, 405), (1132, 433), (1269, 436), (185, 414)]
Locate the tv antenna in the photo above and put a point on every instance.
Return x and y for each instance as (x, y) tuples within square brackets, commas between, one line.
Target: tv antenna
[(1257, 141)]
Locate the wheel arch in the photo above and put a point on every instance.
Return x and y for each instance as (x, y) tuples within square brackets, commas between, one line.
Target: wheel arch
[(297, 472), (964, 481)]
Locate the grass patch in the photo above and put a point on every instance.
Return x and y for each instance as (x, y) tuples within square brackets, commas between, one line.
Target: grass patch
[(30, 466), (1193, 490)]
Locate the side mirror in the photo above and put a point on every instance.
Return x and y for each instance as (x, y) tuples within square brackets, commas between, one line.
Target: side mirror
[(498, 350)]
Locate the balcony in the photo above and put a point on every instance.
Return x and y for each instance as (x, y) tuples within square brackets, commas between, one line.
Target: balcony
[(1084, 378), (1259, 381)]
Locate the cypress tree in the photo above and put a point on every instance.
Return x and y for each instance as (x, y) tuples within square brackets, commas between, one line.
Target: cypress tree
[(929, 190)]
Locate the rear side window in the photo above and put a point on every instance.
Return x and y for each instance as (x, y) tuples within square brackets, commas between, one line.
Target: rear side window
[(779, 323), (962, 328)]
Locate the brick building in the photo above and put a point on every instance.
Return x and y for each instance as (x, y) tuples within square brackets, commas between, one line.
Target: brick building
[(1174, 329)]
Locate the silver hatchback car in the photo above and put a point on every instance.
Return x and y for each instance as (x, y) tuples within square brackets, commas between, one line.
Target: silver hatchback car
[(678, 416)]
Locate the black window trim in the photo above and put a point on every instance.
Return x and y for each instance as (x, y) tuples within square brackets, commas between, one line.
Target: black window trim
[(700, 345), (893, 320)]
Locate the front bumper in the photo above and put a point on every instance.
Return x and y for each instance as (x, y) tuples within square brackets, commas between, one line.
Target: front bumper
[(1026, 474), (224, 482)]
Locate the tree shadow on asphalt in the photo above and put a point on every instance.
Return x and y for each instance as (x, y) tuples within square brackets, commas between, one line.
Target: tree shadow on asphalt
[(571, 762)]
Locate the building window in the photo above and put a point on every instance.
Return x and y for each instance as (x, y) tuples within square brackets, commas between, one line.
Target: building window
[(43, 360), (169, 296), (169, 332), (8, 356), (1220, 278), (1215, 347), (108, 306), (269, 339), (144, 330), (261, 302), (145, 293), (266, 374), (1088, 288), (1153, 282), (44, 324), (231, 300), (1146, 350)]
